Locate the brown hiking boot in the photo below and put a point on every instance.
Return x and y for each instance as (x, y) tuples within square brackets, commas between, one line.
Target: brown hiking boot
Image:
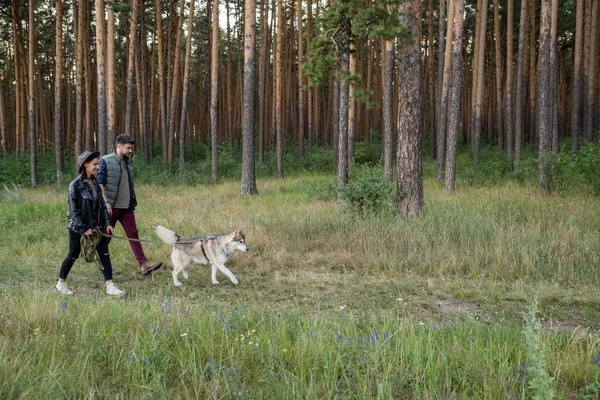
[(150, 266)]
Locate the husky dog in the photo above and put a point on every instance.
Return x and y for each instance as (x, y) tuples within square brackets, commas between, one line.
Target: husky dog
[(213, 250)]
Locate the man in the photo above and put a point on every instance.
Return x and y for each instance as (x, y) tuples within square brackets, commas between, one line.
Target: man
[(116, 181)]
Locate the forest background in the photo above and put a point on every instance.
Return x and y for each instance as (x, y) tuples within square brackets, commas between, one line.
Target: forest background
[(478, 119)]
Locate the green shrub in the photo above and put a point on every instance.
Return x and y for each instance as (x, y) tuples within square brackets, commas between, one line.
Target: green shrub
[(368, 193)]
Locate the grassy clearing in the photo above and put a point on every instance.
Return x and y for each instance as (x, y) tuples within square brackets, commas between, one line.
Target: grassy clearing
[(438, 300)]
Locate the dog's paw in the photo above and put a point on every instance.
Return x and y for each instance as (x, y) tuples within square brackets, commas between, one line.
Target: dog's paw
[(178, 284), (215, 282), (235, 281)]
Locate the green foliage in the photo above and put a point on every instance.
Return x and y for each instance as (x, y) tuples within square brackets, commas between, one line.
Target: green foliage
[(539, 382), (572, 169), (368, 154), (368, 193)]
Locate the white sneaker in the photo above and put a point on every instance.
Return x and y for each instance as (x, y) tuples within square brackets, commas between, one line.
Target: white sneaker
[(63, 288), (113, 290)]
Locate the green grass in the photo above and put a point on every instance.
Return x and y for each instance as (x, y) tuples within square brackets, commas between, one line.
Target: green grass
[(464, 271)]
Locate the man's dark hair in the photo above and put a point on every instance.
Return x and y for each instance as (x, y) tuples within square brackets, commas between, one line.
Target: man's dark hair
[(125, 139)]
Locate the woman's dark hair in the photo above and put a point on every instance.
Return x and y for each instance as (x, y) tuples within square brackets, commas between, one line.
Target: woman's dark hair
[(125, 139)]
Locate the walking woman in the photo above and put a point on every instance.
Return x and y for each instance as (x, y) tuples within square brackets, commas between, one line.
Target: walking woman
[(87, 212)]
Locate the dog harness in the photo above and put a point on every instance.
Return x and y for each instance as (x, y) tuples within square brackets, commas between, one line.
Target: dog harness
[(202, 240)]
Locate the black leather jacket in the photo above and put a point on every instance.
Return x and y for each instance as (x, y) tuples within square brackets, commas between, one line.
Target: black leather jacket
[(84, 212)]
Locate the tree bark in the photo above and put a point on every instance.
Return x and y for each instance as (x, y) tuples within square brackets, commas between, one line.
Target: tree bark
[(175, 83), (553, 78), (387, 110), (186, 84), (476, 137), (301, 111), (79, 67), (446, 77), (441, 49), (3, 133), (214, 92), (161, 82), (278, 89), (248, 184), (431, 82), (497, 39), (31, 97), (455, 95), (588, 107), (409, 200), (100, 74), (519, 100), (111, 119), (508, 100), (342, 167), (351, 109), (58, 133), (544, 95), (576, 92), (131, 69)]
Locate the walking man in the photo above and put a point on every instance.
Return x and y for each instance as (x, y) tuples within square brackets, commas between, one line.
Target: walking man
[(116, 181)]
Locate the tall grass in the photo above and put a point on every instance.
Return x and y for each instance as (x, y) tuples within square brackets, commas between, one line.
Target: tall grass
[(334, 306), (148, 346)]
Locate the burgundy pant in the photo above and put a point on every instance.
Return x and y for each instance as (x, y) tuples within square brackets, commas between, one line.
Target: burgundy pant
[(127, 220)]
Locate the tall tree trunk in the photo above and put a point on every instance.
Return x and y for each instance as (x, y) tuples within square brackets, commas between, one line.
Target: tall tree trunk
[(100, 74), (508, 100), (335, 123), (31, 97), (409, 200), (278, 89), (58, 132), (214, 92), (342, 168), (576, 92), (3, 133), (248, 184), (531, 134), (519, 101), (455, 95), (497, 39), (475, 68), (186, 84), (544, 95), (351, 110), (309, 92), (441, 51), (446, 77), (553, 78), (131, 69), (588, 106), (161, 83), (475, 139), (229, 122), (79, 66), (387, 110), (301, 82), (262, 79), (111, 119), (175, 88), (431, 81)]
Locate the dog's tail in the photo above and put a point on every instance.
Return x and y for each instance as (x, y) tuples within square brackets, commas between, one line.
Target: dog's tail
[(166, 235)]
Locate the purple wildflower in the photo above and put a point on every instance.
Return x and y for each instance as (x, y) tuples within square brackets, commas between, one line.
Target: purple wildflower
[(360, 339), (234, 313), (514, 395), (526, 365), (169, 305), (349, 340), (434, 326), (56, 319), (484, 373), (311, 334), (372, 339), (222, 320), (63, 306), (386, 336), (210, 363), (524, 376), (596, 357), (376, 333), (146, 361), (338, 337), (505, 391), (214, 388), (117, 333), (460, 349), (162, 309), (156, 328), (235, 372), (472, 338), (226, 371)]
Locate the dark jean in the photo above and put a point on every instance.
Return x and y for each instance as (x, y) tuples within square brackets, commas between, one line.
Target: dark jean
[(127, 220), (75, 249)]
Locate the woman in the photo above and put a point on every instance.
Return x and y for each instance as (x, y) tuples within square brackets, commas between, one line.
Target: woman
[(87, 212)]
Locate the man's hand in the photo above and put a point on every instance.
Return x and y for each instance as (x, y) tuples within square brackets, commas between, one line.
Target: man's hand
[(110, 230)]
